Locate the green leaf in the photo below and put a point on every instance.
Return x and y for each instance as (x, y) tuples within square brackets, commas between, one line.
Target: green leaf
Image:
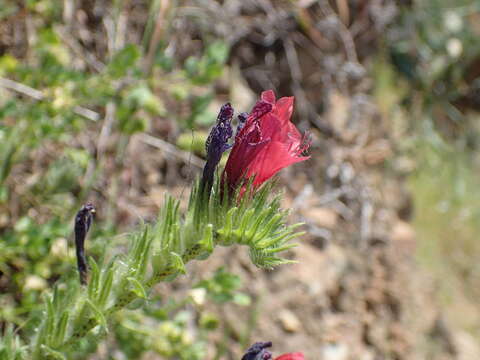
[(247, 219), (274, 250), (97, 313), (141, 96), (94, 279), (276, 241), (274, 223), (207, 240), (141, 245), (194, 141), (53, 353), (226, 231), (218, 52), (8, 64), (242, 299), (199, 106), (50, 319), (159, 261), (123, 61), (191, 66), (107, 282), (61, 329), (138, 288), (177, 263)]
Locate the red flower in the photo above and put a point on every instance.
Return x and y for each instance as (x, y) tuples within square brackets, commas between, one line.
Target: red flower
[(291, 356), (267, 143)]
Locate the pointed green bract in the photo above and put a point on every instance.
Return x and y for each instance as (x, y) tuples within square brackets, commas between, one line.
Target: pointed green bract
[(107, 282), (138, 288), (94, 279), (97, 313), (52, 354), (61, 329)]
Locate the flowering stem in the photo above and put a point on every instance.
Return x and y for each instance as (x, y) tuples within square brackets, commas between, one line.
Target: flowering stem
[(158, 253)]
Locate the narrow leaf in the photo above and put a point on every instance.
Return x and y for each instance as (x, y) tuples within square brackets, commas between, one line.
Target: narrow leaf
[(94, 280), (107, 282), (138, 288), (97, 313)]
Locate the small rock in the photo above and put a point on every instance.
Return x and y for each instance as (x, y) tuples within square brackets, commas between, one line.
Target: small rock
[(322, 217), (335, 352), (466, 346), (34, 282), (289, 321), (59, 248), (403, 235), (403, 232), (198, 296)]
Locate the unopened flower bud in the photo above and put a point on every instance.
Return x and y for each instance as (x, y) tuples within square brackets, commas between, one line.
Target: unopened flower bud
[(216, 145), (258, 351)]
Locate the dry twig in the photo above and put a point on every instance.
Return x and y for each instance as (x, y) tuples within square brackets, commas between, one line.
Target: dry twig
[(171, 149), (38, 95), (157, 34)]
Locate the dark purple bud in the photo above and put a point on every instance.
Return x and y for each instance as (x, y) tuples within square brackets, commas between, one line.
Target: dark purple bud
[(216, 145), (83, 221), (258, 351), (242, 119)]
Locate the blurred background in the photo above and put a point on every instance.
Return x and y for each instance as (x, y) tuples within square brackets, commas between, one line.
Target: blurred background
[(111, 102)]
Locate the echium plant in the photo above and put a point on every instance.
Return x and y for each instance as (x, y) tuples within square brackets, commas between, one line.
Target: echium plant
[(234, 208)]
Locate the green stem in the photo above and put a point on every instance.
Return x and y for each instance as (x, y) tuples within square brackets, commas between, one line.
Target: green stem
[(122, 302)]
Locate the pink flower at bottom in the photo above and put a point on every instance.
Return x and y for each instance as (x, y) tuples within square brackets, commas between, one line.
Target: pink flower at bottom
[(291, 356)]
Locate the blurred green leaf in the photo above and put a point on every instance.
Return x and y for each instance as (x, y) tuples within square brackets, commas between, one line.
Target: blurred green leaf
[(123, 61)]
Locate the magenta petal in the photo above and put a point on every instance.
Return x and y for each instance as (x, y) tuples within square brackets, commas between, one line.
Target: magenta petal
[(240, 159), (291, 356), (268, 96), (271, 159), (284, 109)]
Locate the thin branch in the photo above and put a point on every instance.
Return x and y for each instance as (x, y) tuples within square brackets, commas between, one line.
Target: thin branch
[(343, 11), (106, 128), (156, 36), (86, 113), (186, 156), (343, 31), (38, 95), (21, 88), (71, 41)]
